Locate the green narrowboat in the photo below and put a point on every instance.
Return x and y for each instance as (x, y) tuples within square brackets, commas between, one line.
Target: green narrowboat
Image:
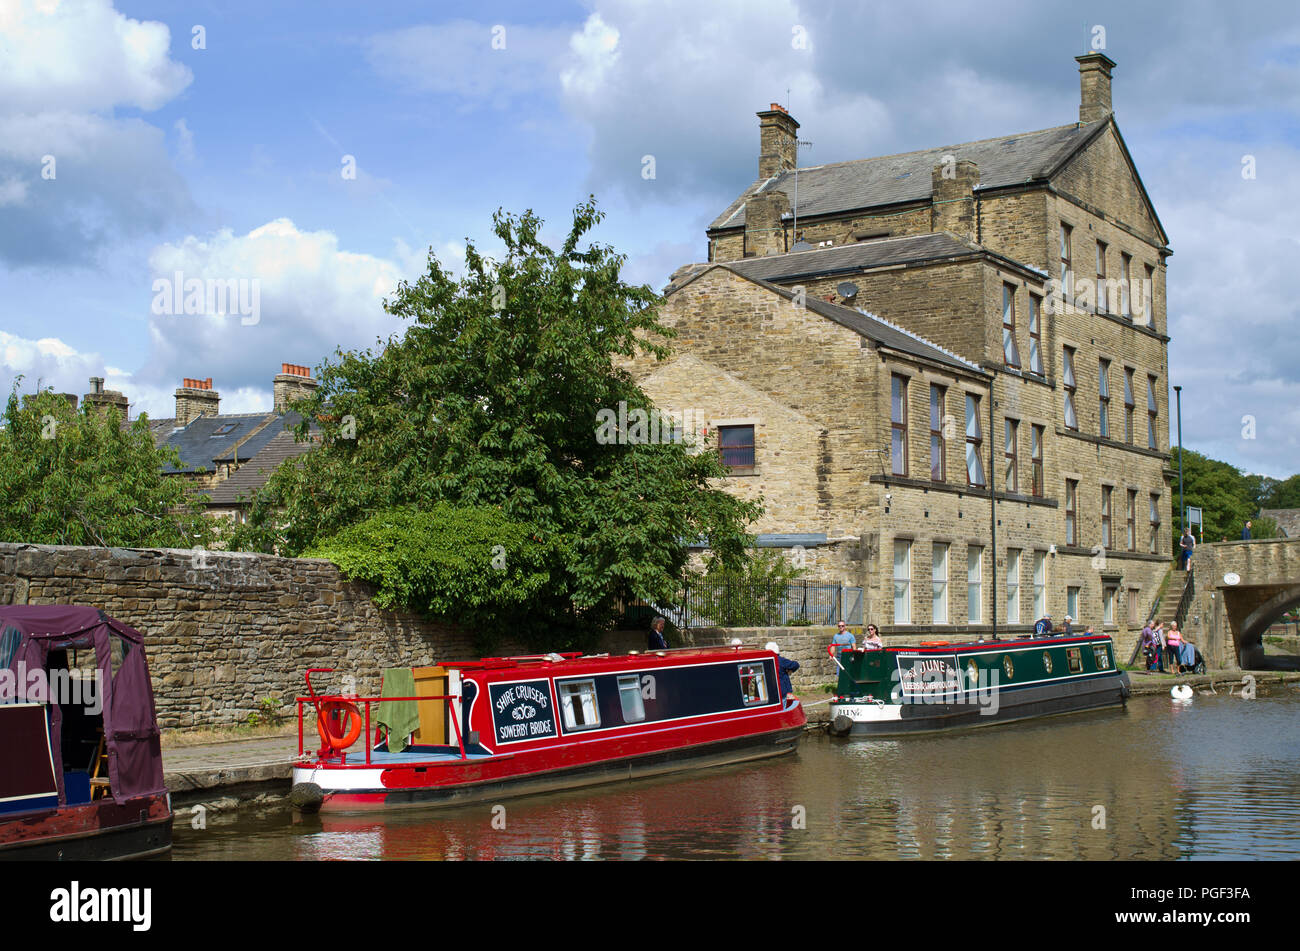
[(943, 686)]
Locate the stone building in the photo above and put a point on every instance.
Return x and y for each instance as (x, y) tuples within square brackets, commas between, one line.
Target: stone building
[(945, 370), (214, 447)]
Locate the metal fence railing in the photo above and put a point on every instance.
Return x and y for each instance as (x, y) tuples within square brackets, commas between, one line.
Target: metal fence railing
[(730, 604)]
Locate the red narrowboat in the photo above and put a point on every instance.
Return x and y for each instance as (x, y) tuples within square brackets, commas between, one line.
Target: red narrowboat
[(81, 772), (511, 726)]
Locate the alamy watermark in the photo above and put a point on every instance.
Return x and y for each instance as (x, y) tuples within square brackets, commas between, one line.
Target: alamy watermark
[(208, 297), (62, 687), (653, 427)]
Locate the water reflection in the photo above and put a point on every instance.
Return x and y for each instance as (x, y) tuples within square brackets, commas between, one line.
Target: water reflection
[(1217, 777)]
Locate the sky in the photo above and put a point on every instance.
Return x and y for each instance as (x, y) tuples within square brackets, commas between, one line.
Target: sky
[(318, 152)]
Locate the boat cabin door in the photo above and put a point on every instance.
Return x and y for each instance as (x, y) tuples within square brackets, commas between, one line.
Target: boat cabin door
[(431, 681)]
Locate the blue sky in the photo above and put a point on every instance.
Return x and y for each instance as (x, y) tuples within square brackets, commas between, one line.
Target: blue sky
[(228, 160)]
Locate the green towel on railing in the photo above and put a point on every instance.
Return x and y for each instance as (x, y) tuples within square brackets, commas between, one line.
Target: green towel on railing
[(399, 717)]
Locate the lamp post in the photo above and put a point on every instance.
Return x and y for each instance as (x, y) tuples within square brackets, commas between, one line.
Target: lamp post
[(1182, 510)]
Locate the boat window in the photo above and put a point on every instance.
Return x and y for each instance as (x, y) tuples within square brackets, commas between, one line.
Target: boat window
[(753, 685), (578, 701), (1102, 657), (9, 645), (1047, 661), (629, 695), (1008, 665), (1075, 658)]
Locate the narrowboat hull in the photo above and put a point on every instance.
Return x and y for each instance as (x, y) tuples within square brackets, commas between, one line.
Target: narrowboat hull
[(507, 727), (377, 787), (98, 831), (962, 696)]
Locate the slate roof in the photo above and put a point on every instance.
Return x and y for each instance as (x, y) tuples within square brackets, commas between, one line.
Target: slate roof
[(201, 445), (906, 177), (863, 255), (874, 328), (252, 475)]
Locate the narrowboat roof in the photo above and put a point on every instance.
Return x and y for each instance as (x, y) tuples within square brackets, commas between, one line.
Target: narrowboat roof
[(1000, 644), (585, 663)]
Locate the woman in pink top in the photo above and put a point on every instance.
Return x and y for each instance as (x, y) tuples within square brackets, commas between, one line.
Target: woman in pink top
[(1174, 641)]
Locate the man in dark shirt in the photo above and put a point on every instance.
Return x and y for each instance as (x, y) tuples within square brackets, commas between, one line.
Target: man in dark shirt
[(657, 641), (1245, 532), (1043, 626)]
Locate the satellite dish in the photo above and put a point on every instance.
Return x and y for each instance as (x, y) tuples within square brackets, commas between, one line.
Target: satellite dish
[(848, 290)]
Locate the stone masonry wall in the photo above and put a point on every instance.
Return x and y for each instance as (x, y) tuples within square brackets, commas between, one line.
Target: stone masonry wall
[(226, 631)]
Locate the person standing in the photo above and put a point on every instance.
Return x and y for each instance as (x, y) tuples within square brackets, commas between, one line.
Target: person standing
[(785, 667), (1187, 544), (1149, 647), (1158, 633), (842, 638), (1174, 644), (656, 640), (1245, 532), (1067, 628)]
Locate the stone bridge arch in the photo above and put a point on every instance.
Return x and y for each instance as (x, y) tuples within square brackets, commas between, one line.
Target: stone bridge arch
[(1243, 588)]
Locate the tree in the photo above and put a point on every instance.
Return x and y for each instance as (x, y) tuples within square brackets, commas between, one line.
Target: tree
[(70, 477), (1282, 495), (1226, 497), (492, 398)]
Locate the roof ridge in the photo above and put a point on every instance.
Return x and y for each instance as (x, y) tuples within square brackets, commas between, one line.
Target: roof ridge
[(915, 336), (789, 295), (940, 148)]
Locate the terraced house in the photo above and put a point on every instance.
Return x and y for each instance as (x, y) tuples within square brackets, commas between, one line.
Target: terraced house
[(945, 371)]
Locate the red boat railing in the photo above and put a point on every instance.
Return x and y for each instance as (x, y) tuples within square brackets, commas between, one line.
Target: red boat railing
[(317, 700)]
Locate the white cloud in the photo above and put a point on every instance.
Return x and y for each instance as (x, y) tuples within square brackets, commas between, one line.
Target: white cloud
[(47, 362), (595, 51), (681, 81), (84, 56), (312, 296), (73, 177)]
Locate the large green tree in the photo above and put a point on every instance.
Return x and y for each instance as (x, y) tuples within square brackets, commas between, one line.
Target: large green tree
[(76, 477), (492, 398), (1226, 496)]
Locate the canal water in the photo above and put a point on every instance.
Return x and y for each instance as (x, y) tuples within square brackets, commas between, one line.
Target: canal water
[(1216, 777)]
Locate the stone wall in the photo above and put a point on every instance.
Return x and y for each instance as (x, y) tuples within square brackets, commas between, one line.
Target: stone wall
[(226, 630)]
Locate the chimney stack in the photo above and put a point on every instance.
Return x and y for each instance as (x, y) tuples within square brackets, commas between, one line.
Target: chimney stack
[(778, 142), (293, 382), (196, 398), (100, 400), (1094, 86), (953, 198), (764, 233)]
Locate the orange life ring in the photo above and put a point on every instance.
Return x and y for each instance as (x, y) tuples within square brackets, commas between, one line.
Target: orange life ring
[(329, 711), (934, 643)]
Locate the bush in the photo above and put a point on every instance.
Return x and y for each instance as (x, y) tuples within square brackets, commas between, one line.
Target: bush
[(468, 565)]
